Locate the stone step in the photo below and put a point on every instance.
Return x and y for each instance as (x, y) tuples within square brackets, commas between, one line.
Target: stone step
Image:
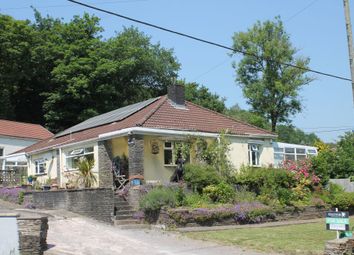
[(126, 222), (124, 207), (124, 216), (134, 226), (121, 212)]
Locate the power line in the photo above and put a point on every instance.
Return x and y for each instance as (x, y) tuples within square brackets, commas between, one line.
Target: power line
[(207, 42), (333, 130), (326, 127), (301, 11), (68, 5)]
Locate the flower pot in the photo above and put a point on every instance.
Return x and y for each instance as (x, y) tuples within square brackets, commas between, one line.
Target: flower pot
[(46, 187)]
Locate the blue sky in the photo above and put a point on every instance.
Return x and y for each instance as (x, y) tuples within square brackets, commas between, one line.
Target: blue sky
[(316, 28)]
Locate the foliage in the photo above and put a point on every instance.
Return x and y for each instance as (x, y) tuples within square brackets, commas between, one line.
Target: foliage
[(243, 213), (270, 88), (201, 95), (271, 185), (14, 195), (71, 73), (195, 200), (222, 192), (247, 116), (199, 176), (338, 162), (85, 175), (158, 197), (291, 134), (343, 201), (214, 154), (304, 176)]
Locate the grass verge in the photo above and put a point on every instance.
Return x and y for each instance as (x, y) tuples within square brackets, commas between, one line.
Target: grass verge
[(294, 239)]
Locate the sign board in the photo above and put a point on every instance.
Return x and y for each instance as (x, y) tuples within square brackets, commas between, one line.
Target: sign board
[(337, 221)]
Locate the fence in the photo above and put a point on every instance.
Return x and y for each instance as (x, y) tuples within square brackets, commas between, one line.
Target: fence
[(11, 177)]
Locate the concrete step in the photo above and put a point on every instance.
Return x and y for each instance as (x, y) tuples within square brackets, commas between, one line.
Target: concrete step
[(121, 212), (124, 216), (134, 226), (126, 222)]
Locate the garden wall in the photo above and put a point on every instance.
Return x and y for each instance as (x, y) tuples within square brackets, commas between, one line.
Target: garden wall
[(345, 183), (95, 203), (222, 216)]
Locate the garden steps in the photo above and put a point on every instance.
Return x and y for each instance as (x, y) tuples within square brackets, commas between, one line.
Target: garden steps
[(130, 221)]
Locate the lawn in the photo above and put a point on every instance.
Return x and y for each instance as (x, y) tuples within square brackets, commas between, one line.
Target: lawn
[(295, 239)]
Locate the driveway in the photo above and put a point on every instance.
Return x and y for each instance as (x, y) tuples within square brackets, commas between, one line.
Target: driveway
[(77, 235)]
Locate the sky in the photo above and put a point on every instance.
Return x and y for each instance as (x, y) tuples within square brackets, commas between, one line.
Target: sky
[(316, 29)]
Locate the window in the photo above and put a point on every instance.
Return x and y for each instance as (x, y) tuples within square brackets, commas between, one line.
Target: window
[(168, 153), (73, 157), (1, 152), (253, 154), (40, 166)]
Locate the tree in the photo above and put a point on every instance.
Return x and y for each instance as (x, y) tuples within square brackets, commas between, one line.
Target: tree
[(335, 162), (247, 116), (271, 88), (201, 95), (291, 134)]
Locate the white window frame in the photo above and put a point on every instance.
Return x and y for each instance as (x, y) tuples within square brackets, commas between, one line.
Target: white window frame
[(40, 166), (171, 148), (80, 152), (254, 148)]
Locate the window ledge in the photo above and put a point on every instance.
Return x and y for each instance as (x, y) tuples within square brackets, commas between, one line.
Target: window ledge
[(170, 165), (40, 174)]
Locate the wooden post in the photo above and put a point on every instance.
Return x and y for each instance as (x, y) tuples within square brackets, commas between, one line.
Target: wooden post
[(350, 41)]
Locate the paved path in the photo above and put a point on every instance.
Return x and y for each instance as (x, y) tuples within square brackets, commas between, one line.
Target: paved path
[(79, 235), (71, 234)]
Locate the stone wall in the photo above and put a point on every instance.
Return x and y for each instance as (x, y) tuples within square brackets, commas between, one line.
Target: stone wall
[(345, 183), (95, 203), (32, 235), (339, 246)]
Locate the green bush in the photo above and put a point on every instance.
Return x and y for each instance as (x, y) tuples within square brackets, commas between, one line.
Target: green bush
[(242, 195), (157, 198), (222, 192), (198, 176), (272, 186), (343, 201), (195, 200)]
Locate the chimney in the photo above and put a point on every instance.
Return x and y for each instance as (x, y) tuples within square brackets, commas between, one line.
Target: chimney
[(176, 94)]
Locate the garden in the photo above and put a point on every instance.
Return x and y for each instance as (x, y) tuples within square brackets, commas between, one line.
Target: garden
[(213, 193)]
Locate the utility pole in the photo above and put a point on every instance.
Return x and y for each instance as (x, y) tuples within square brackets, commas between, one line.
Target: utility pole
[(348, 26)]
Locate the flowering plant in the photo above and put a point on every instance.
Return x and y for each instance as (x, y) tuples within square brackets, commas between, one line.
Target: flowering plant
[(304, 175)]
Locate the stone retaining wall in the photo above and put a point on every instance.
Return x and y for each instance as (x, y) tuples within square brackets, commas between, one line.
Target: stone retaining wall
[(32, 235), (95, 203), (339, 246)]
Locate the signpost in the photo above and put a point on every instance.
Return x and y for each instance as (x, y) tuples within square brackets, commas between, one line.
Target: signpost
[(338, 221)]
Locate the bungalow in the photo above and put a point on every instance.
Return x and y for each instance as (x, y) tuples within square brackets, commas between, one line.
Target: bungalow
[(145, 133), (16, 136)]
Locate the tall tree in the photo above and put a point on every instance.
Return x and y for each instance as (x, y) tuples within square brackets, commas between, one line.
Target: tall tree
[(201, 95), (271, 88), (247, 116), (291, 134)]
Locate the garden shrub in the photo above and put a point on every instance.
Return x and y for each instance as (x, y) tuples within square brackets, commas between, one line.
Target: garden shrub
[(269, 184), (343, 201), (222, 192), (195, 200), (198, 176), (158, 197)]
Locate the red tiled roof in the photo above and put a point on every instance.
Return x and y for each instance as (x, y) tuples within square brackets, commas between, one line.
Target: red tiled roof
[(163, 115), (23, 130)]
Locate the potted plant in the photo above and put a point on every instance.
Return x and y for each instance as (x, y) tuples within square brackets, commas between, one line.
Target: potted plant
[(31, 179), (46, 185)]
